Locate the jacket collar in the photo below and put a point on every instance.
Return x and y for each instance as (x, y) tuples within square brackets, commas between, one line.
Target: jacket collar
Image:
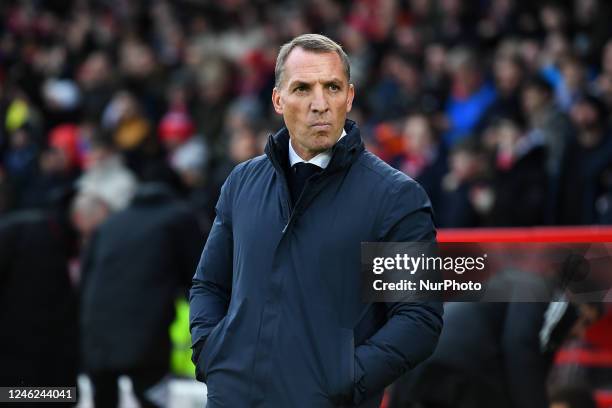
[(344, 152)]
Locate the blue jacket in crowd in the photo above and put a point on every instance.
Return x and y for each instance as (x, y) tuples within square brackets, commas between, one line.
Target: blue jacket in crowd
[(277, 318)]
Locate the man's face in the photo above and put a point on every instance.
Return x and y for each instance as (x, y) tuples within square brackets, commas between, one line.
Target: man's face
[(314, 97), (533, 99)]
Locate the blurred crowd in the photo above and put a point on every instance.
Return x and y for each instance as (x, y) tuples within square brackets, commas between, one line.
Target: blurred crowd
[(117, 113), (499, 108)]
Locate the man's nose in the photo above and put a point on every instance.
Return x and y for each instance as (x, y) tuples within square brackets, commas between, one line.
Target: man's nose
[(319, 102)]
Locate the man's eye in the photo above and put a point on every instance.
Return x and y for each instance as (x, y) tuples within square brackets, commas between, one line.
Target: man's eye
[(301, 88), (334, 87)]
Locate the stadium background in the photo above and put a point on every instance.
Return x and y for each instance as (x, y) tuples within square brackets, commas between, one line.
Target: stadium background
[(500, 108)]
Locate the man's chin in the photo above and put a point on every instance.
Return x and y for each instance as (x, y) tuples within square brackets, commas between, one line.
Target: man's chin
[(323, 142)]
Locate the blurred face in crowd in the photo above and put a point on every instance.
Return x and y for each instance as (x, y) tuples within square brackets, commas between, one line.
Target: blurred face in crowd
[(507, 75), (20, 139), (54, 161), (95, 70), (588, 123), (314, 98), (464, 165), (533, 99), (584, 115), (96, 156), (418, 134), (508, 135), (243, 145), (435, 59), (87, 213), (465, 69), (573, 74)]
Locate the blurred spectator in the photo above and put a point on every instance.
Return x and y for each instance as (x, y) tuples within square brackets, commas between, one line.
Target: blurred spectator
[(603, 83), (436, 82), (519, 180), (62, 100), (585, 194), (503, 360), (243, 145), (188, 156), (120, 66), (132, 131), (106, 176), (573, 82), (59, 165), (142, 75), (87, 213), (358, 49), (128, 291), (547, 122), (508, 73), (423, 158), (175, 128), (398, 92), (95, 77), (20, 162), (38, 306), (463, 185), (470, 95), (213, 99)]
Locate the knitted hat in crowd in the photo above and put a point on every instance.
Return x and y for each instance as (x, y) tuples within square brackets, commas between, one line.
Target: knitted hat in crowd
[(65, 138), (176, 126)]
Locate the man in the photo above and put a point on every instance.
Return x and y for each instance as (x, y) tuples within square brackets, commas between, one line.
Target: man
[(494, 354), (583, 188), (137, 263), (37, 302), (276, 313)]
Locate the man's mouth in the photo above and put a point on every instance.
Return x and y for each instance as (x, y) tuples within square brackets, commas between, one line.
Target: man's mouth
[(321, 125)]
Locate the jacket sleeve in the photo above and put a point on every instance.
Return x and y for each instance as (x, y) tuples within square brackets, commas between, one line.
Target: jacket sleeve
[(411, 332), (212, 283)]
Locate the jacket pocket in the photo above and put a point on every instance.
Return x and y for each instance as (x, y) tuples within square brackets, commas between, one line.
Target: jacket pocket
[(342, 375), (209, 349)]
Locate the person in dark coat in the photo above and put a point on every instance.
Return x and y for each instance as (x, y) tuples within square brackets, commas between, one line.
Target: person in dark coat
[(465, 180), (137, 263), (490, 355), (586, 190), (498, 352), (277, 318), (424, 158), (38, 305), (519, 186)]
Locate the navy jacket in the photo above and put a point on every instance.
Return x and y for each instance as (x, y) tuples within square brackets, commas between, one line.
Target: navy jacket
[(276, 313)]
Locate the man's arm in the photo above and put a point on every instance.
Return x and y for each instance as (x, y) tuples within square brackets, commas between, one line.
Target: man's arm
[(411, 332), (210, 294)]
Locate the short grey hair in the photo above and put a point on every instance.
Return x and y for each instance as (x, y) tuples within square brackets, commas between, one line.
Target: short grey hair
[(309, 42)]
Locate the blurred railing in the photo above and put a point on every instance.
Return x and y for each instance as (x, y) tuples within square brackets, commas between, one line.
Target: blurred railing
[(527, 234)]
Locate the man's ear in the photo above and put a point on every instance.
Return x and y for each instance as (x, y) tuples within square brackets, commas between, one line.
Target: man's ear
[(276, 101), (351, 96)]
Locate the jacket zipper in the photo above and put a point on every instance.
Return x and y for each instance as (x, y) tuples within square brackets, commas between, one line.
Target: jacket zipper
[(293, 210)]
